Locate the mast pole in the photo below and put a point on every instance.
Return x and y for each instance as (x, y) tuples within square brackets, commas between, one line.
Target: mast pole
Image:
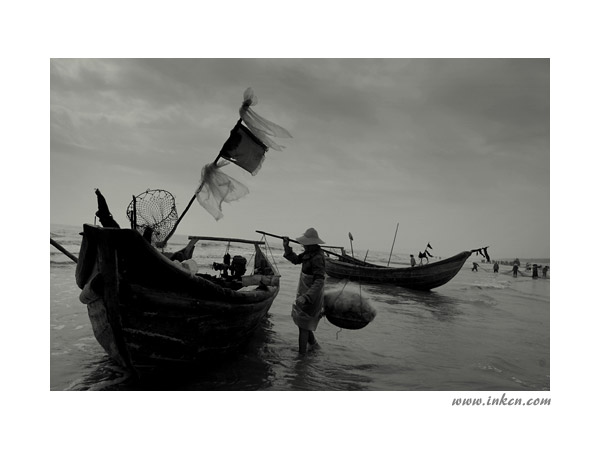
[(393, 244), (164, 242)]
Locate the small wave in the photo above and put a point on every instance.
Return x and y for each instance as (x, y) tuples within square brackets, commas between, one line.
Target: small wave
[(62, 263), (489, 284), (66, 242), (516, 380), (490, 367), (484, 302)]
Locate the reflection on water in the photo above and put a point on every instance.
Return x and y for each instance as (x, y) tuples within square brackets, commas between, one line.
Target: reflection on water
[(102, 374), (313, 372), (247, 369), (442, 307)]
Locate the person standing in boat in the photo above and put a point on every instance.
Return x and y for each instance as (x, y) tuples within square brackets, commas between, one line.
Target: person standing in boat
[(307, 309)]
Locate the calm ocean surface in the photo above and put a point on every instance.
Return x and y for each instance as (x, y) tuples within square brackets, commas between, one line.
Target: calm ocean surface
[(480, 332)]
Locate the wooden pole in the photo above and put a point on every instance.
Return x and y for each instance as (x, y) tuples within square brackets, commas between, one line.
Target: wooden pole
[(62, 249), (134, 215), (393, 244), (225, 239), (296, 242), (164, 242)]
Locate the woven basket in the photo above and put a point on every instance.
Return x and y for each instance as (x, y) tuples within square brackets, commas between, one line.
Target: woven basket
[(345, 322)]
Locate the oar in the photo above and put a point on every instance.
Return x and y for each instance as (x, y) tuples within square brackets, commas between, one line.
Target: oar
[(296, 242), (351, 239), (62, 249)]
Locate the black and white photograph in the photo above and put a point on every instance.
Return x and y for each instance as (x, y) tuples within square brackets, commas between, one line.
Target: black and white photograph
[(300, 224), (315, 224)]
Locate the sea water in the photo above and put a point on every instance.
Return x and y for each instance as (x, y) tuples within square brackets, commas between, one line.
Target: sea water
[(482, 331)]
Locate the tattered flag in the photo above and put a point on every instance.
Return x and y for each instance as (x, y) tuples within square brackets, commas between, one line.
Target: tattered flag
[(244, 149), (262, 128), (217, 187)]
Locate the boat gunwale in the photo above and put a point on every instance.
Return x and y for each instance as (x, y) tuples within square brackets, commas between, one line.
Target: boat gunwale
[(464, 255), (188, 280)]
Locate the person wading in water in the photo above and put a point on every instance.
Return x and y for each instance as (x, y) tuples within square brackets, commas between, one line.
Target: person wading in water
[(307, 309)]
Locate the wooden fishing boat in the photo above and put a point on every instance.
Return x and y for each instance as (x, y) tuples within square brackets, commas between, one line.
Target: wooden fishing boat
[(421, 277), (148, 310)]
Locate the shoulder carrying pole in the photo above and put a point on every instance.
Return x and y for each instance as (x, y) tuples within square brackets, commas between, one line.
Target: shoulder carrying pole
[(295, 242)]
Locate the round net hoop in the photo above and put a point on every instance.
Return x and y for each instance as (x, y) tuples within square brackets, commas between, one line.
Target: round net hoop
[(153, 211)]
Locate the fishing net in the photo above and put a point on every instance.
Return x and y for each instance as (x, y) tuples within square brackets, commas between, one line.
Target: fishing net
[(153, 214), (347, 308)]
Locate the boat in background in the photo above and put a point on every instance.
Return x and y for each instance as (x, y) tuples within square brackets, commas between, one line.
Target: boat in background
[(149, 310), (420, 277)]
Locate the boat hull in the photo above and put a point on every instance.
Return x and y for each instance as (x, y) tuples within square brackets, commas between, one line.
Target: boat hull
[(423, 277), (146, 310)]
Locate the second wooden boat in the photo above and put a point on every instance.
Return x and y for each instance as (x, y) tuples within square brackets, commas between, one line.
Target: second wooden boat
[(421, 277)]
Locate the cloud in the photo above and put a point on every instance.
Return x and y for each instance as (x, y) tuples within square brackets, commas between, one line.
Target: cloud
[(429, 142)]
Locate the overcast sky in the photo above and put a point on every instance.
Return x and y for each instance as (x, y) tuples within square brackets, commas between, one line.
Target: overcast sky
[(457, 151)]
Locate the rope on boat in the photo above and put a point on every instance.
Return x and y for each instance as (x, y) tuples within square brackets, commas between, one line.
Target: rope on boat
[(268, 247), (338, 296), (250, 261)]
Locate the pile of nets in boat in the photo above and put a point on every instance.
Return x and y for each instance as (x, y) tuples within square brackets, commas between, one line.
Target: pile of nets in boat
[(346, 307), (189, 265)]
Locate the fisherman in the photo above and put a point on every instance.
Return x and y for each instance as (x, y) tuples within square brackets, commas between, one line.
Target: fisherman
[(475, 265), (496, 266), (535, 271), (545, 271), (307, 309), (515, 269), (413, 263)]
